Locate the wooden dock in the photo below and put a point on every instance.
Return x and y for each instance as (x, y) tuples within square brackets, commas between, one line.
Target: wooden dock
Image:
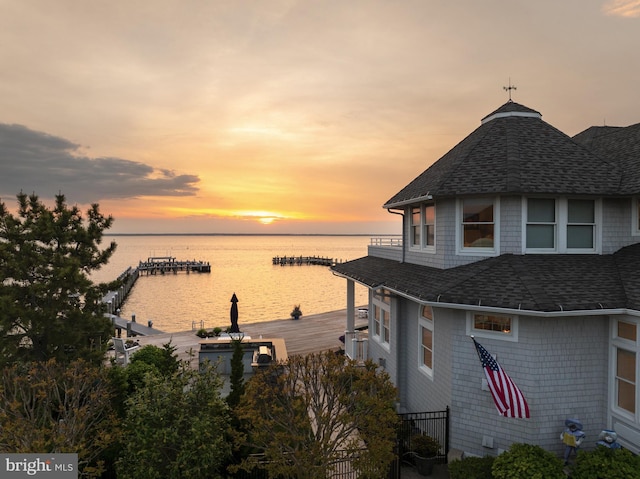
[(303, 260), (169, 264), (132, 328)]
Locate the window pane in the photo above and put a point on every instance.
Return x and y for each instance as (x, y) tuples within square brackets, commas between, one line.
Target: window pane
[(427, 313), (541, 210), (427, 348), (415, 216), (478, 210), (581, 211), (429, 214), (489, 322), (541, 236), (386, 326), (430, 236), (626, 365), (579, 236), (626, 330), (627, 396), (415, 235), (478, 236)]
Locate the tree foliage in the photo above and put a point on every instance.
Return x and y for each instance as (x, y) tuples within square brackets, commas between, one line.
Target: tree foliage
[(49, 308), (175, 427), (50, 407), (236, 379), (311, 411)]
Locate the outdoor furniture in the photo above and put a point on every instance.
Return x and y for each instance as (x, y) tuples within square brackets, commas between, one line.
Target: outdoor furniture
[(122, 352)]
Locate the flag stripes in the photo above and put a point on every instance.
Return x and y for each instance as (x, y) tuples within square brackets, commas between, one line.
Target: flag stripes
[(507, 397)]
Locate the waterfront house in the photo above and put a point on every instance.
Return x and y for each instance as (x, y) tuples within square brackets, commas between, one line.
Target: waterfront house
[(529, 240)]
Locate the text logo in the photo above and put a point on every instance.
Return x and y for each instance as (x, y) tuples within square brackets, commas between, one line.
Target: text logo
[(50, 466)]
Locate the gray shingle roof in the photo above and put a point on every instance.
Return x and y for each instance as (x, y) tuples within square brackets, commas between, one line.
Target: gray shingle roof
[(619, 144), (514, 155), (544, 283)]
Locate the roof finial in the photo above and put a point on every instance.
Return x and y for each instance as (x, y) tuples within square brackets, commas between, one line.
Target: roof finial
[(509, 88)]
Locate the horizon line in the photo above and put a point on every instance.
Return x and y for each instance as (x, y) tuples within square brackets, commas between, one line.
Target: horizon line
[(252, 234)]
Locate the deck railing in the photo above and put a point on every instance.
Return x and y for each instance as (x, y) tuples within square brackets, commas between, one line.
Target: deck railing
[(394, 241)]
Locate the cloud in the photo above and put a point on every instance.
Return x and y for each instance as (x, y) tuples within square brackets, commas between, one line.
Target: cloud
[(33, 161), (622, 8)]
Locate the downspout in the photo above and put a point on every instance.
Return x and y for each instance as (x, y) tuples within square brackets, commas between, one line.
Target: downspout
[(401, 213)]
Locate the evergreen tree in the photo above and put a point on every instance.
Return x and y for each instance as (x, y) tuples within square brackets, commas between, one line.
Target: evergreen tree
[(49, 307), (236, 379)]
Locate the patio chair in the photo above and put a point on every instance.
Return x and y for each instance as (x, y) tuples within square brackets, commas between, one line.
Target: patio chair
[(122, 351)]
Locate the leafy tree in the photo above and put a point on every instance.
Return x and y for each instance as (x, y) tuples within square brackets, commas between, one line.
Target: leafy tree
[(236, 379), (49, 308), (50, 407), (176, 427), (308, 412)]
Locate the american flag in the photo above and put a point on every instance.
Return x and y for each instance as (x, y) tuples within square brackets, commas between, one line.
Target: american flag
[(508, 398)]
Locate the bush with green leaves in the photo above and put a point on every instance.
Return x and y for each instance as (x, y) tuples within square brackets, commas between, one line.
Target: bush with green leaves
[(164, 359), (472, 468), (175, 427), (605, 463), (526, 461)]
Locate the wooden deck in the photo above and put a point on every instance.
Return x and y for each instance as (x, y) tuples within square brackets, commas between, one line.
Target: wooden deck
[(309, 334)]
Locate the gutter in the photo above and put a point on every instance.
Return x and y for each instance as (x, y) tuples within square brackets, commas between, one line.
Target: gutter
[(401, 213)]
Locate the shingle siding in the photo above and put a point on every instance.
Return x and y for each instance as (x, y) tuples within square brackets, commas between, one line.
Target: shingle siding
[(560, 366)]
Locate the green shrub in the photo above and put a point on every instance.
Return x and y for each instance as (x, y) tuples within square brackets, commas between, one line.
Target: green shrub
[(202, 333), (525, 461), (605, 463), (217, 330), (472, 468)]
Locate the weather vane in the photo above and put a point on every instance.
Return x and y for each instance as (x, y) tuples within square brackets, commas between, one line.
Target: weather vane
[(509, 88)]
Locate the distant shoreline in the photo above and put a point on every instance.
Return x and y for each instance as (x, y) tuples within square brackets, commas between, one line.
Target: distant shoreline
[(251, 234)]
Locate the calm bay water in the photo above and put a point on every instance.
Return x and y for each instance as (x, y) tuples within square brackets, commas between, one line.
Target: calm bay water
[(239, 264)]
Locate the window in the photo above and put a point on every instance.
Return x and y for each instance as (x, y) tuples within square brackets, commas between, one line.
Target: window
[(423, 226), (425, 325), (560, 225), (478, 225), (541, 223), (382, 316), (636, 216), (581, 224), (490, 325), (415, 226), (625, 364), (429, 225)]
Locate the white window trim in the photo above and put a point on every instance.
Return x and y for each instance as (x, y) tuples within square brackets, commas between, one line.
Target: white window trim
[(423, 240), (460, 248), (628, 345), (562, 213), (425, 323), (483, 333)]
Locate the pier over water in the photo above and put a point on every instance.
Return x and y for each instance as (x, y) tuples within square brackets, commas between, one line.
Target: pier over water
[(153, 265), (168, 264), (304, 260)]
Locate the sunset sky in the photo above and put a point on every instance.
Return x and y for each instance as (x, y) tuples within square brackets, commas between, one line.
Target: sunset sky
[(285, 116)]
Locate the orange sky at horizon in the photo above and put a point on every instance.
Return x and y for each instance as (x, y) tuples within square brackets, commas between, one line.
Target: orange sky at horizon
[(285, 116)]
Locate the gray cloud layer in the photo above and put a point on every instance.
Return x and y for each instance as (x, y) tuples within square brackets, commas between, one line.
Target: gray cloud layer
[(33, 161)]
